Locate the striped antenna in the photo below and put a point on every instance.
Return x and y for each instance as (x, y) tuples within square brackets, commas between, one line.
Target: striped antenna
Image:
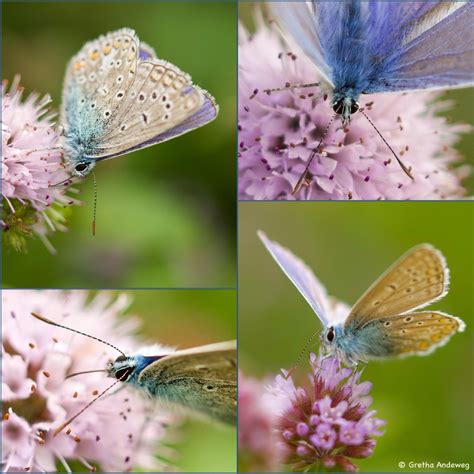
[(48, 321)]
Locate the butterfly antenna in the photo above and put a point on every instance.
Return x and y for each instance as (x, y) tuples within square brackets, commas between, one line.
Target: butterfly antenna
[(288, 87), (48, 321), (406, 170), (70, 420), (85, 372), (64, 181), (95, 203), (304, 176), (302, 353)]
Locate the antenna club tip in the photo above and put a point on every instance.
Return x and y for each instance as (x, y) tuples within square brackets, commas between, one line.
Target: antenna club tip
[(41, 318), (58, 430)]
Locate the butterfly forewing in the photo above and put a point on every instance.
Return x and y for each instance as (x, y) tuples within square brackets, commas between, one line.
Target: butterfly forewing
[(417, 279), (301, 276), (432, 14), (416, 333), (96, 76), (203, 379)]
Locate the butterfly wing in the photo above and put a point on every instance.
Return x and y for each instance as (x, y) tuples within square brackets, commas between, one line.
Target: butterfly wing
[(203, 379), (301, 276), (119, 97), (161, 104), (435, 46), (408, 334), (101, 70), (300, 20), (417, 279)]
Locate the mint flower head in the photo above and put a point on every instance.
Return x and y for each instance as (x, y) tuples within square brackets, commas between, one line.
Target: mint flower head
[(32, 167), (112, 434), (279, 132), (325, 425)]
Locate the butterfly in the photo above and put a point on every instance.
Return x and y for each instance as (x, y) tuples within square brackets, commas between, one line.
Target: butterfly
[(202, 379), (383, 322), (370, 47), (119, 97)]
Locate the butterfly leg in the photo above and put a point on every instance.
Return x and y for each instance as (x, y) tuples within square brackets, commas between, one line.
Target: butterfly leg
[(114, 392), (289, 86), (305, 180)]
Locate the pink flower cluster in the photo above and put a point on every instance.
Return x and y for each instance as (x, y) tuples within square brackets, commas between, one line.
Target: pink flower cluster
[(278, 133), (31, 158), (112, 434), (327, 423)]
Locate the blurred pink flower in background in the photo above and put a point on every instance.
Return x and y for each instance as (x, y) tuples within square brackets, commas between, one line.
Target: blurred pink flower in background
[(328, 422), (112, 434), (278, 132), (31, 162), (259, 450)]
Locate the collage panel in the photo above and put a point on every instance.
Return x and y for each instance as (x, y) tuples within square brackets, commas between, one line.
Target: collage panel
[(355, 100), (304, 377), (126, 381), (164, 215)]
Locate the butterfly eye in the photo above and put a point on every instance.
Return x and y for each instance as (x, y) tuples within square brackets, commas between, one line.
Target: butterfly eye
[(354, 107), (330, 335), (123, 374), (81, 167)]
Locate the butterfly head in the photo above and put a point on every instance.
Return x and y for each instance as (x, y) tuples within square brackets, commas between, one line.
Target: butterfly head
[(345, 106), (122, 368)]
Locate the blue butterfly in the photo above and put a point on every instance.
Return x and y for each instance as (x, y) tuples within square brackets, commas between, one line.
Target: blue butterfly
[(119, 97), (383, 322), (381, 46), (201, 379)]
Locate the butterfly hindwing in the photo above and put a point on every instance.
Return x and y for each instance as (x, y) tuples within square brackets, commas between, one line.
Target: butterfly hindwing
[(408, 334), (203, 379), (418, 278)]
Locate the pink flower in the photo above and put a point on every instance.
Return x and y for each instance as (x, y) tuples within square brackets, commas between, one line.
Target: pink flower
[(112, 434), (31, 164), (258, 444), (327, 423), (278, 132)]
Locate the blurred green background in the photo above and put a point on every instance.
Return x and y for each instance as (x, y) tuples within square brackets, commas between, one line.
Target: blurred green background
[(462, 110), (166, 214), (188, 318), (427, 401)]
